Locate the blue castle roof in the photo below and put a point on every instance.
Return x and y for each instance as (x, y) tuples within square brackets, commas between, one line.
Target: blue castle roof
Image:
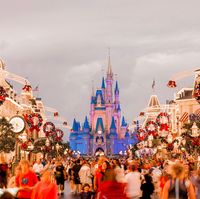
[(75, 125), (86, 124), (99, 125), (124, 124), (116, 88), (112, 126), (99, 93), (103, 83), (93, 100)]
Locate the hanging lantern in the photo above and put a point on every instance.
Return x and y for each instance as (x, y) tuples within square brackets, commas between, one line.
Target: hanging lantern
[(171, 84)]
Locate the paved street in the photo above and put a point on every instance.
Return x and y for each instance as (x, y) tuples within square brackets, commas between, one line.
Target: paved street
[(67, 194)]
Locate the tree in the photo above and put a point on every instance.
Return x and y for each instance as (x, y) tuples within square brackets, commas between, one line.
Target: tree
[(7, 136), (192, 144)]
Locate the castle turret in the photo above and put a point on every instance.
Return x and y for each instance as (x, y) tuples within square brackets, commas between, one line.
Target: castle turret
[(103, 88), (109, 95), (123, 128), (116, 96), (86, 126)]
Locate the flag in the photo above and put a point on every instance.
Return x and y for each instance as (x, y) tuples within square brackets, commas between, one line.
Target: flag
[(55, 114), (36, 88), (153, 84)]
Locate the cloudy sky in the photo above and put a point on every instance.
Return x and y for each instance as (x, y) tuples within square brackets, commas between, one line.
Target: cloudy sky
[(62, 46)]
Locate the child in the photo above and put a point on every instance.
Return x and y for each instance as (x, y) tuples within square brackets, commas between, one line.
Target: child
[(86, 193)]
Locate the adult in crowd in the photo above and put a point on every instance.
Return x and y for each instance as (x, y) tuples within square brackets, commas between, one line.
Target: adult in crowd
[(3, 172), (38, 168), (25, 180), (60, 175), (178, 186), (147, 187), (76, 168), (133, 177), (195, 179), (46, 188), (85, 174), (110, 188)]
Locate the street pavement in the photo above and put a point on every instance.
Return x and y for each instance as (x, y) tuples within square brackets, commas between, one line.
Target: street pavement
[(67, 194)]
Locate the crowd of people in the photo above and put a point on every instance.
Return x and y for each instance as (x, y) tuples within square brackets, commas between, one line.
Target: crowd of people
[(102, 178)]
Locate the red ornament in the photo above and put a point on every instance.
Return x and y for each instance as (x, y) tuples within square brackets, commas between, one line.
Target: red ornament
[(171, 84)]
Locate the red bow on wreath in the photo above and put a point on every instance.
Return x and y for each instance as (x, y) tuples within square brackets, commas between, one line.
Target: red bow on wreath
[(164, 127)]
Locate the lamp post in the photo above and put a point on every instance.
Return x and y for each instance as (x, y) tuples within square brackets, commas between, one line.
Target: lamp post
[(23, 138), (194, 130), (57, 148)]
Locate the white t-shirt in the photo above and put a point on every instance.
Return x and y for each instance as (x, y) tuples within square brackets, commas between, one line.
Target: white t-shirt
[(37, 168), (133, 184)]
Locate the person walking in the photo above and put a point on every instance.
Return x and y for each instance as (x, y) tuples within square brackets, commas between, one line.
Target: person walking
[(60, 175), (147, 187), (38, 168), (25, 180), (46, 188), (178, 186), (133, 177)]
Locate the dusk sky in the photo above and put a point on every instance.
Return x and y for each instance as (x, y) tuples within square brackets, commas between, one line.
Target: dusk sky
[(62, 46)]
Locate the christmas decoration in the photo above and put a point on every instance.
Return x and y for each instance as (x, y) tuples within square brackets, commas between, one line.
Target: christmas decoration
[(27, 88), (34, 121), (163, 122), (151, 128), (7, 136), (193, 117), (3, 95), (24, 146), (48, 128), (58, 136), (141, 135), (171, 84), (196, 92)]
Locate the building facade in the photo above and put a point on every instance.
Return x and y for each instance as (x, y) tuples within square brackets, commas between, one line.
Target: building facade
[(106, 130)]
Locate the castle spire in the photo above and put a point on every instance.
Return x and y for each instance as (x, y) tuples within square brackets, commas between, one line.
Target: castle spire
[(112, 126), (109, 72), (103, 84), (92, 87), (116, 88)]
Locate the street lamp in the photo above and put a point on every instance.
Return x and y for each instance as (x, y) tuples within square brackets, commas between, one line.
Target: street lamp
[(194, 130), (57, 148)]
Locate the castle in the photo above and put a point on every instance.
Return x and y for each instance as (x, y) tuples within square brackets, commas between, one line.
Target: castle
[(105, 131)]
